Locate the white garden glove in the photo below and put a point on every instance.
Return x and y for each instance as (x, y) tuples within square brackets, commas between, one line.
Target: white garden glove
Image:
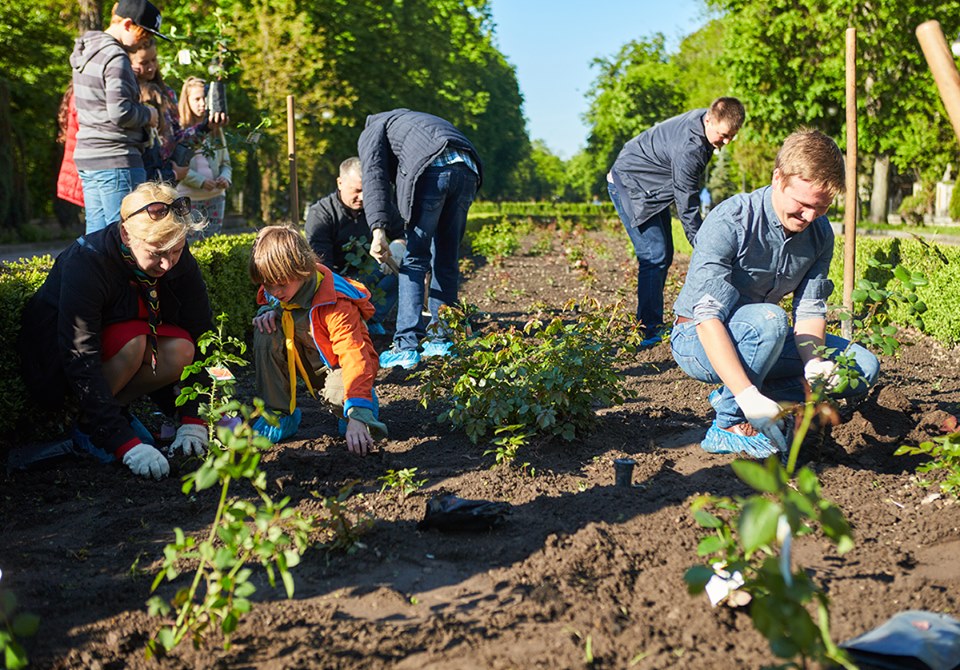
[(820, 369), (191, 438), (380, 247), (145, 461), (391, 266), (763, 414)]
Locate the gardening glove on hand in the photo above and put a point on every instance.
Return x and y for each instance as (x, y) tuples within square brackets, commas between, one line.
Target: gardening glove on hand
[(191, 438), (398, 249), (364, 415), (763, 414), (820, 369), (145, 461), (380, 247)]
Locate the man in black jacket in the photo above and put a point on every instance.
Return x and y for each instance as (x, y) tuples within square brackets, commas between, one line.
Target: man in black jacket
[(335, 225), (665, 164), (436, 171)]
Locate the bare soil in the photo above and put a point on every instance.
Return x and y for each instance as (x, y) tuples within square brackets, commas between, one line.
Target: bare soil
[(578, 559)]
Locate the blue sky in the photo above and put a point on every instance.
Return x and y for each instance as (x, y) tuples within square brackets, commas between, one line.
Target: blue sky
[(552, 42)]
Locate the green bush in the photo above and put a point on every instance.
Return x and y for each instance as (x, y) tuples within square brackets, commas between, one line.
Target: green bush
[(544, 379), (495, 240), (913, 208), (18, 282), (940, 264), (955, 202), (223, 260)]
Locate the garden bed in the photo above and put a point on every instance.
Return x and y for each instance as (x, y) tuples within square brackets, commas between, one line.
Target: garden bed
[(580, 569)]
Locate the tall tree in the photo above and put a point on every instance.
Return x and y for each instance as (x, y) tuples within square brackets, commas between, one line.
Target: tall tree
[(786, 58), (634, 89)]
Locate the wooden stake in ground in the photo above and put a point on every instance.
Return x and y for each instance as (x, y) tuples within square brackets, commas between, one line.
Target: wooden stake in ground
[(850, 210), (292, 159), (943, 67)]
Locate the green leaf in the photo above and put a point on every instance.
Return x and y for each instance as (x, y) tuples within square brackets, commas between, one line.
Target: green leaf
[(758, 523), (697, 578), (755, 475), (707, 520), (710, 545)]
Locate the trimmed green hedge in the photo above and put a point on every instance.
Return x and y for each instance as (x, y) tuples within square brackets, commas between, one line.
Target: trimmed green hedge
[(546, 210), (940, 264), (222, 259)]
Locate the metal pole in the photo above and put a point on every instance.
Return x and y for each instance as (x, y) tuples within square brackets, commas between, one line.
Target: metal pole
[(943, 67), (850, 210), (292, 159)]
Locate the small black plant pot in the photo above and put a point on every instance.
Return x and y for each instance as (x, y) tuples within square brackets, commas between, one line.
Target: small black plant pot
[(216, 98), (623, 471)]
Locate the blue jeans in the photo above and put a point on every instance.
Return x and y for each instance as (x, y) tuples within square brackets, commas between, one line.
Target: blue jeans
[(104, 191), (765, 343), (653, 245), (440, 204)]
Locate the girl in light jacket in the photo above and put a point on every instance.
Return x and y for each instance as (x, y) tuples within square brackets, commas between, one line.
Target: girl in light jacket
[(210, 172)]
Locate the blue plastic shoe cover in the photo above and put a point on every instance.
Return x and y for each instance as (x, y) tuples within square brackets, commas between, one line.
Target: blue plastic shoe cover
[(720, 441), (289, 424)]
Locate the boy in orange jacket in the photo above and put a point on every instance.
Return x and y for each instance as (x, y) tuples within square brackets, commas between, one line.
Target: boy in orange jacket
[(311, 324)]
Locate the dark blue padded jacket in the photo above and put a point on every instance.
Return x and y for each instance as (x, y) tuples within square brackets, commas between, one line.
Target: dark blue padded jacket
[(396, 147), (665, 164)]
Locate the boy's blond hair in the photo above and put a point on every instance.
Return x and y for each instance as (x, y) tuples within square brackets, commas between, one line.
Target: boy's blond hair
[(813, 157), (281, 254), (164, 234)]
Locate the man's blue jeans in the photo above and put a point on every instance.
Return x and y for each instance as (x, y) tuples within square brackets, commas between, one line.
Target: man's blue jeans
[(765, 342), (653, 245), (440, 204), (104, 191)]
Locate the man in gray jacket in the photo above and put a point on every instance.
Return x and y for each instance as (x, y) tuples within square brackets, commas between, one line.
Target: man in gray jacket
[(661, 165), (436, 171), (112, 121)]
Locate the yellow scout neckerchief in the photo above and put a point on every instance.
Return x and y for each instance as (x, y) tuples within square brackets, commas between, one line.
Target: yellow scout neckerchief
[(293, 357)]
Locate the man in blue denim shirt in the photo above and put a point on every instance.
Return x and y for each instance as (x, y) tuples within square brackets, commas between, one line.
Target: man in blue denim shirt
[(752, 251), (665, 164)]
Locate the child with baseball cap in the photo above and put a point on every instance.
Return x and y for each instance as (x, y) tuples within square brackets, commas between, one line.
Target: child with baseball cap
[(112, 121)]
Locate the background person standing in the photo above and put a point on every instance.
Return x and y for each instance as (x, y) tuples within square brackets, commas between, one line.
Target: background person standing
[(665, 164)]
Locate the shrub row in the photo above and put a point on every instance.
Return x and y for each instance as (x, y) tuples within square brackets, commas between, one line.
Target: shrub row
[(551, 210)]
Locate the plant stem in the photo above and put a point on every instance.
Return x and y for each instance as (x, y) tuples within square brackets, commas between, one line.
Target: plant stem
[(181, 629)]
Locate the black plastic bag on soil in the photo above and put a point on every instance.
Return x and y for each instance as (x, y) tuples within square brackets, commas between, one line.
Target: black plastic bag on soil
[(448, 513)]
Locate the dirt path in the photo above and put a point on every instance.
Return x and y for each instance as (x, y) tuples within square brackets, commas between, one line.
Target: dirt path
[(577, 560)]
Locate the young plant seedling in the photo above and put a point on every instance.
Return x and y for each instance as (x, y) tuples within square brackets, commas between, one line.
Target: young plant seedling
[(401, 481), (14, 627)]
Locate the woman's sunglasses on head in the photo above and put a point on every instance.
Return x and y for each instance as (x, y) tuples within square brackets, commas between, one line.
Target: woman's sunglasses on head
[(158, 210)]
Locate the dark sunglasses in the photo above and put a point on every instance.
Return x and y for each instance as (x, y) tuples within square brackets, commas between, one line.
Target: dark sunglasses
[(158, 210)]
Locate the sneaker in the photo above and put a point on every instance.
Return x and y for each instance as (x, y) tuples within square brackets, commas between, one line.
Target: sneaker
[(403, 358), (720, 441), (437, 348), (289, 424), (376, 328), (652, 341)]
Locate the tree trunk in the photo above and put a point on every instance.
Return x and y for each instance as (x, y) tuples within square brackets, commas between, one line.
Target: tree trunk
[(91, 15), (14, 197), (881, 189)]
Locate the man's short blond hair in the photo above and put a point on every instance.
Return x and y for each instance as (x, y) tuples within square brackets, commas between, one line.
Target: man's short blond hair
[(812, 156), (281, 254), (164, 234)]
